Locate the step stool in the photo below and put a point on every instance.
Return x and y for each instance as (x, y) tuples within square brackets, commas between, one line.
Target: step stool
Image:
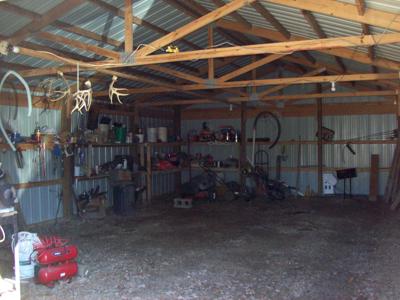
[(183, 203)]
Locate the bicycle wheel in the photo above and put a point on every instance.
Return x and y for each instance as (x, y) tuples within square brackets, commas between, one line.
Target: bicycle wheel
[(267, 127)]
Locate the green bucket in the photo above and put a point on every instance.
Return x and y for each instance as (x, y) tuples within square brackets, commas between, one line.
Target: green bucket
[(120, 134)]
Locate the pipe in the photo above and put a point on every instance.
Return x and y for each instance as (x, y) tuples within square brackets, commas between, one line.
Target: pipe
[(28, 93)]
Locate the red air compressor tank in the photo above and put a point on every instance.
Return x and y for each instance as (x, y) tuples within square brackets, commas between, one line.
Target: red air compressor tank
[(58, 254), (48, 274)]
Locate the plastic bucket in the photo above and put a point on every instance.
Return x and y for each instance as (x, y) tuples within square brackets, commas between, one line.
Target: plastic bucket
[(27, 256), (152, 135), (120, 134), (163, 134)]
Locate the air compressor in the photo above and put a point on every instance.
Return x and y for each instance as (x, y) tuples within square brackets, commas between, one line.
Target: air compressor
[(55, 260)]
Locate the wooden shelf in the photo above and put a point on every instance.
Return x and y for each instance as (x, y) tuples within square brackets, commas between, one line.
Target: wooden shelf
[(168, 144), (334, 142), (107, 145), (218, 169), (175, 170), (215, 143), (98, 177)]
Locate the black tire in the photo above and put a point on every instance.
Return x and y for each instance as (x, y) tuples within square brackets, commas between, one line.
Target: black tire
[(274, 139)]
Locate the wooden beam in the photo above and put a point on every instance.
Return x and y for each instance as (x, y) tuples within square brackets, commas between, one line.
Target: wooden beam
[(360, 4), (176, 73), (85, 46), (62, 25), (195, 10), (278, 48), (271, 19), (274, 81), (281, 87), (193, 26), (309, 110), (47, 18), (320, 148), (309, 17), (235, 14), (281, 97), (211, 67), (345, 11), (278, 26), (342, 52), (128, 16), (138, 21), (250, 67)]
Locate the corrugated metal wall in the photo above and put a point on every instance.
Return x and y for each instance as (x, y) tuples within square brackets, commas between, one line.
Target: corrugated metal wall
[(335, 156), (40, 203)]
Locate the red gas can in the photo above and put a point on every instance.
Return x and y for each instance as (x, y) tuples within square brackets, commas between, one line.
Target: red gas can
[(58, 254), (48, 274)]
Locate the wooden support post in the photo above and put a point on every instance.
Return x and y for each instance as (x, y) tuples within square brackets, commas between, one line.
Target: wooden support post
[(211, 73), (128, 26), (320, 142), (243, 144), (177, 133), (374, 178), (68, 165), (149, 173)]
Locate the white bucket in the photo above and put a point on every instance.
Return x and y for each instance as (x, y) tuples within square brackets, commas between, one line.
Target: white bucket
[(152, 135), (162, 134), (27, 256), (140, 137), (104, 128)]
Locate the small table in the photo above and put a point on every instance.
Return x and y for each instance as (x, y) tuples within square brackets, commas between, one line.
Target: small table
[(10, 218)]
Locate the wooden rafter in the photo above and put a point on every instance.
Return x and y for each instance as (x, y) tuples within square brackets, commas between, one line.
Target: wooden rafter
[(342, 52), (195, 10), (176, 73), (138, 21), (211, 67), (47, 18), (192, 26), (235, 14), (282, 97), (360, 4), (309, 17), (265, 13), (265, 82), (282, 86), (85, 46), (128, 16), (252, 66)]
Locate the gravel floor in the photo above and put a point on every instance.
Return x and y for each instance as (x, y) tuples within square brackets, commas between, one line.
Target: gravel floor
[(298, 249)]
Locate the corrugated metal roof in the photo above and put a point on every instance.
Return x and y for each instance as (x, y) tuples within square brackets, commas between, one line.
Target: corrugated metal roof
[(159, 13)]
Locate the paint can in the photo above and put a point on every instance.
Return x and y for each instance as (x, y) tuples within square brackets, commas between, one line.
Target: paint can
[(162, 134), (152, 135)]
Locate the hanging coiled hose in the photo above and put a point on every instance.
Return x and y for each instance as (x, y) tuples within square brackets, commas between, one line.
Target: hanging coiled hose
[(28, 93)]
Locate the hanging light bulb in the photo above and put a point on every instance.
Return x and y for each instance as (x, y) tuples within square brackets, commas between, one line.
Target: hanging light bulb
[(333, 86)]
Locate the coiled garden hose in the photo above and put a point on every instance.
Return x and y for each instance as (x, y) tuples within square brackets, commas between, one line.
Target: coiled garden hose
[(28, 93)]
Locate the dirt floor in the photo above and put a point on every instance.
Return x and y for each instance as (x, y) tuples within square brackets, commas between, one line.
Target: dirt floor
[(298, 249)]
